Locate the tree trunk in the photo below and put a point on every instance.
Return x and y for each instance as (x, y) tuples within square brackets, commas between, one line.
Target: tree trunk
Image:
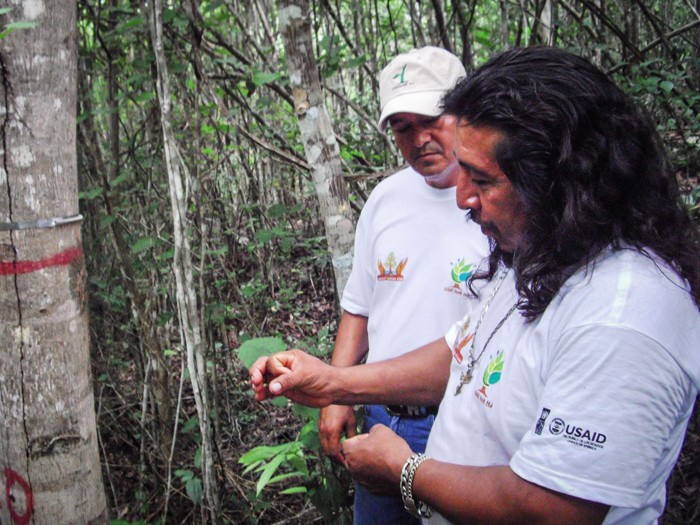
[(320, 145), (190, 327), (48, 447)]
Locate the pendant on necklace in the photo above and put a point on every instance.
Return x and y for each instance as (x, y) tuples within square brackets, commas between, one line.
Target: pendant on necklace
[(464, 379)]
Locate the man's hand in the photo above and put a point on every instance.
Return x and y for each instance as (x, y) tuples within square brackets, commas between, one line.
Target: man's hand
[(375, 459), (294, 374), (334, 421)]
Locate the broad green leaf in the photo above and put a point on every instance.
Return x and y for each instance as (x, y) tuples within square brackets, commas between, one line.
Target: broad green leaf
[(306, 412), (258, 347)]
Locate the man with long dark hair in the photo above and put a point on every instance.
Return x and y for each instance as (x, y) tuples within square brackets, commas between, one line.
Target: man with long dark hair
[(567, 388)]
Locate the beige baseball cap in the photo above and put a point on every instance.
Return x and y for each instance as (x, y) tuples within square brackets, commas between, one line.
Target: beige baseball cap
[(415, 82)]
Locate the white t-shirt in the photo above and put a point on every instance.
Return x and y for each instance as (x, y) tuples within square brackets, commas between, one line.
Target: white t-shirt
[(414, 251), (590, 400)]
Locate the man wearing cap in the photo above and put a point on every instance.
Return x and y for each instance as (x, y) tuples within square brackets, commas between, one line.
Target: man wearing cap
[(413, 255)]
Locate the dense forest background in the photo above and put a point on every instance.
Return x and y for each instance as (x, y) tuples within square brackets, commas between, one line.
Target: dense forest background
[(247, 230)]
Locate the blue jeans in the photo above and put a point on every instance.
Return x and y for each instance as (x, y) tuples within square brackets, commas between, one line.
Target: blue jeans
[(371, 509)]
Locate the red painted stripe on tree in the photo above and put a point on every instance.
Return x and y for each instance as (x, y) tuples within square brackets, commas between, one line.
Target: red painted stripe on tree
[(60, 259)]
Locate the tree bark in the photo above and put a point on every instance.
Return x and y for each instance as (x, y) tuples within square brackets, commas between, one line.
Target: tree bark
[(320, 144), (48, 446)]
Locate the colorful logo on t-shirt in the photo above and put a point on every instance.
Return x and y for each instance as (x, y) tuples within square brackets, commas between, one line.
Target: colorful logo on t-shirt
[(492, 375), (461, 340), (461, 272), (390, 269)]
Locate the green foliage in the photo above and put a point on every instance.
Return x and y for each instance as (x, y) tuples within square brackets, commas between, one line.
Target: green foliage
[(193, 485), (302, 460), (258, 347), (267, 460)]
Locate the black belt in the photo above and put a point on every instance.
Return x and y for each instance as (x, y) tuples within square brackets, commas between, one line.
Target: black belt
[(411, 411)]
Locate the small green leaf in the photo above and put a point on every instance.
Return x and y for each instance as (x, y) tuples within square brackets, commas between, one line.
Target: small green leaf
[(298, 463), (279, 401), (282, 477), (294, 490), (277, 211), (91, 194), (666, 86), (260, 79), (107, 220), (184, 474), (357, 61), (20, 25), (262, 453), (190, 425), (143, 244), (194, 490), (118, 180), (267, 473)]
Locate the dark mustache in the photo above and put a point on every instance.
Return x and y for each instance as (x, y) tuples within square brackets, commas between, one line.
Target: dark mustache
[(431, 147)]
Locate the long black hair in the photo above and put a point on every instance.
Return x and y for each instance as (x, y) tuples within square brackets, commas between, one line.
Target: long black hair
[(587, 163)]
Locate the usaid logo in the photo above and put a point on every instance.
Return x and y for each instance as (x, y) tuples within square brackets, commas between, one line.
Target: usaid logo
[(576, 435)]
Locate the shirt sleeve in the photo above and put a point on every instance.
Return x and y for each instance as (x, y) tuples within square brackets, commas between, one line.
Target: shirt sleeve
[(614, 402), (357, 295)]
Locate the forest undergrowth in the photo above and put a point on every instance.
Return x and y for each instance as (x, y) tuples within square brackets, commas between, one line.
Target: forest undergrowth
[(136, 474)]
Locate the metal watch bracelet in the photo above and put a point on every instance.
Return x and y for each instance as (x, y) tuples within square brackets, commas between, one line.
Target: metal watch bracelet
[(412, 505)]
